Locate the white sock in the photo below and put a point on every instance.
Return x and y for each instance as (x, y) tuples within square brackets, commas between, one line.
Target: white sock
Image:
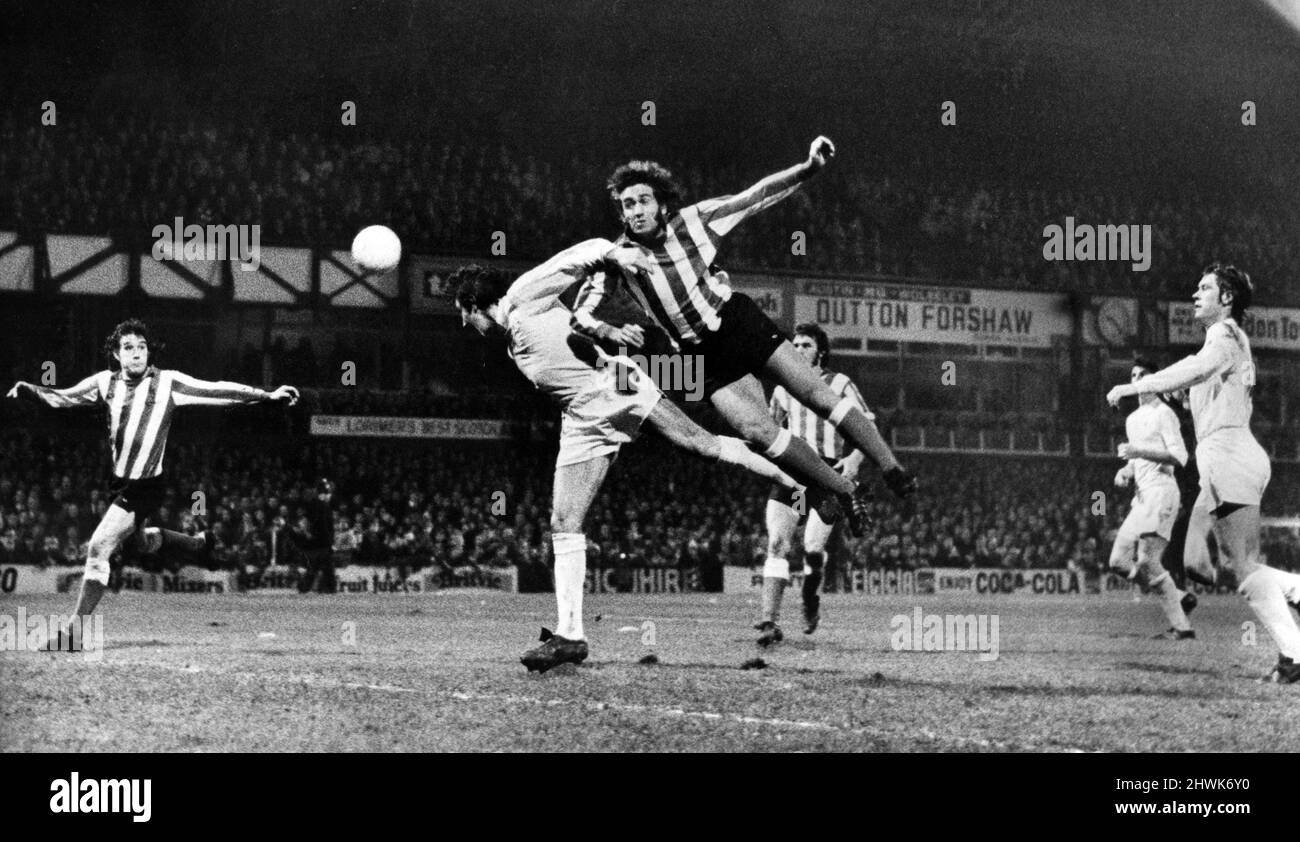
[(1171, 601), (734, 451), (570, 575), (1263, 591)]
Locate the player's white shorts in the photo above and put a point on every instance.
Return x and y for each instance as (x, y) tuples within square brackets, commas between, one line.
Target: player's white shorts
[(1154, 511), (1233, 467), (597, 418), (601, 419)]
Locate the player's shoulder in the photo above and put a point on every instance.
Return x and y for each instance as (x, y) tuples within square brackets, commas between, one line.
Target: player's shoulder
[(1226, 331)]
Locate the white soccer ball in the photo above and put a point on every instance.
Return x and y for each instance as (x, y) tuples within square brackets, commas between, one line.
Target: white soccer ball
[(376, 249)]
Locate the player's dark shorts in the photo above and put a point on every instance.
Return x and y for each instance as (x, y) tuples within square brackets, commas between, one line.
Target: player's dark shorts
[(785, 496), (742, 345), (141, 497)]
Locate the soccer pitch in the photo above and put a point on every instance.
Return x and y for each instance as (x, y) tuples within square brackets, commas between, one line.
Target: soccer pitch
[(440, 672)]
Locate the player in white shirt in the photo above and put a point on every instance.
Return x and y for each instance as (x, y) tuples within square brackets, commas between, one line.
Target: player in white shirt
[(1154, 447), (603, 408), (1234, 468)]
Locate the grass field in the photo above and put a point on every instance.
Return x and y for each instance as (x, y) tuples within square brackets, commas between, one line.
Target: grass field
[(441, 673)]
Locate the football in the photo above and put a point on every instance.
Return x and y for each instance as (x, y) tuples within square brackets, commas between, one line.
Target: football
[(376, 249)]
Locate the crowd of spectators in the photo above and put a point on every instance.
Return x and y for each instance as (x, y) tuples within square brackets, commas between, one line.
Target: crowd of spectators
[(127, 174), (465, 508)]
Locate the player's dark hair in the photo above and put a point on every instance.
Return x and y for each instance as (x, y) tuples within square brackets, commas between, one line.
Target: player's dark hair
[(1233, 280), (819, 336), (128, 328), (1147, 363), (667, 190), (476, 286)]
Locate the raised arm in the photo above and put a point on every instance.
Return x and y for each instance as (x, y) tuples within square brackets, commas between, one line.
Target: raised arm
[(542, 285), (726, 212), (190, 391), (85, 393), (1213, 358)]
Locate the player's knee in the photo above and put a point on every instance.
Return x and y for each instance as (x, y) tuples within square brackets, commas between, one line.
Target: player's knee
[(565, 522), (778, 546), (757, 429), (149, 540), (97, 566), (814, 560), (776, 568)]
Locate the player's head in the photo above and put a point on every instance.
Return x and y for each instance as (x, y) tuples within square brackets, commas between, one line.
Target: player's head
[(1224, 290), (128, 347), (645, 193), (1142, 366), (476, 289), (812, 344)]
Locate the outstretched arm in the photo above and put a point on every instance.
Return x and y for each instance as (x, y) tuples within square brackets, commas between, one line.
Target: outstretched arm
[(1215, 357), (84, 393), (190, 391), (724, 213)]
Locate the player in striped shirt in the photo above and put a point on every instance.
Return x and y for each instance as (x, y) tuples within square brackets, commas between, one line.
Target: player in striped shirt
[(1154, 448), (783, 509), (668, 253), (1234, 469), (140, 399), (601, 411)]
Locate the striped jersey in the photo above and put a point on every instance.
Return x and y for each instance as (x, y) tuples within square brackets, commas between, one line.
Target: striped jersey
[(684, 295), (802, 422), (140, 411)]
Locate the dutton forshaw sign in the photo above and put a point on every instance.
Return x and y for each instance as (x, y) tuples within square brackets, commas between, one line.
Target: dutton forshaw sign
[(852, 311)]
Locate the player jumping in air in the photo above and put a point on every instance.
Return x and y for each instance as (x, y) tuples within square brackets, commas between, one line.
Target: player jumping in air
[(667, 253), (1234, 469), (811, 342), (603, 408), (1154, 447), (140, 399)]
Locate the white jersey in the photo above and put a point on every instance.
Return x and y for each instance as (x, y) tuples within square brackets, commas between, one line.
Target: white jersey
[(1154, 426), (1223, 400)]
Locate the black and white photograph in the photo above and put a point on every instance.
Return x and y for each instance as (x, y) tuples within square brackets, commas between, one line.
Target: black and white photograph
[(593, 376)]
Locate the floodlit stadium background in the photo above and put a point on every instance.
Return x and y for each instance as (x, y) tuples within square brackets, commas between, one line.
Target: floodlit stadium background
[(490, 122)]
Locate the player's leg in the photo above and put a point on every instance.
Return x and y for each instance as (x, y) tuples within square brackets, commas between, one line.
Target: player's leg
[(792, 371), (1124, 552), (680, 430), (1197, 564), (1151, 549), (816, 536), (782, 521), (741, 404), (1237, 529), (113, 530), (576, 486), (153, 539)]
